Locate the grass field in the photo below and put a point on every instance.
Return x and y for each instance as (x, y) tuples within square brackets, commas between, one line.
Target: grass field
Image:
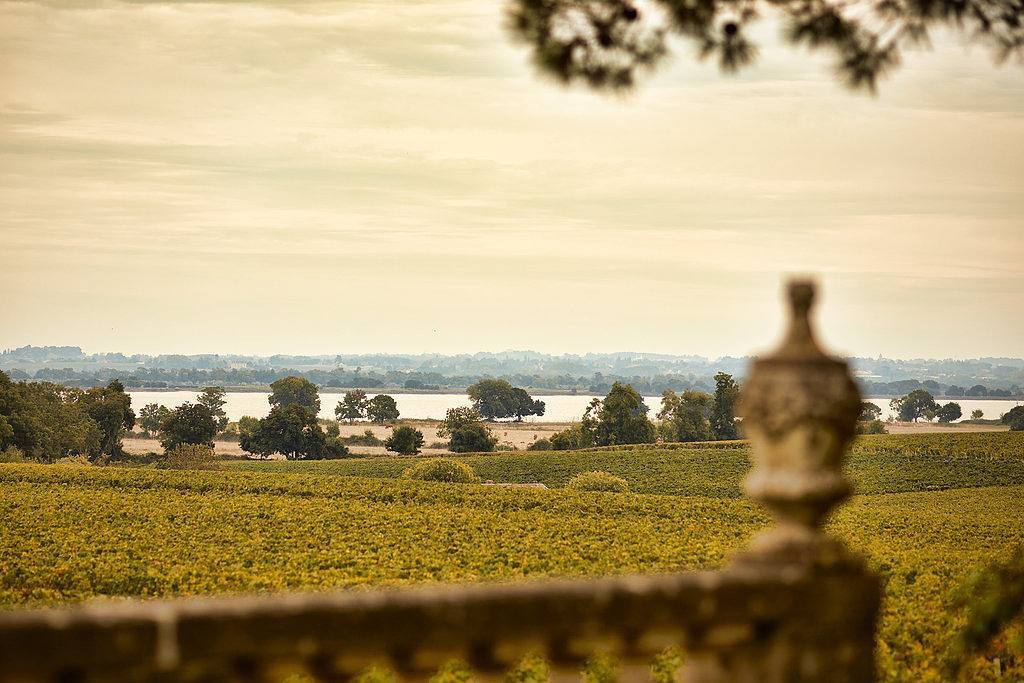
[(73, 533)]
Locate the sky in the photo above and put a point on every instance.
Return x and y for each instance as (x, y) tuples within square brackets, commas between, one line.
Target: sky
[(394, 176)]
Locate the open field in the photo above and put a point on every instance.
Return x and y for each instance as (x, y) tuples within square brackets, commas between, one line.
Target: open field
[(932, 510), (516, 434)]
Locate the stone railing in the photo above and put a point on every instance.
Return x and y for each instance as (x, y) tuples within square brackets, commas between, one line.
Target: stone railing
[(795, 607)]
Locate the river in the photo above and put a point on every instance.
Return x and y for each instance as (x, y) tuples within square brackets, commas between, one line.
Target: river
[(433, 406)]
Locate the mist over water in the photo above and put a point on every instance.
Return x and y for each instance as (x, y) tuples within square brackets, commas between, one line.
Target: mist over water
[(433, 406)]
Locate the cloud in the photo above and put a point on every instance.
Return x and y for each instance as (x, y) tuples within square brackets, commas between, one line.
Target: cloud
[(339, 156)]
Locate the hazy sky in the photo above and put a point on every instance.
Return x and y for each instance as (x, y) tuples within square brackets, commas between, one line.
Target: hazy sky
[(297, 177)]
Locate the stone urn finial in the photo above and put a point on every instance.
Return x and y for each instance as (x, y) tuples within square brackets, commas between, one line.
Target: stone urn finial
[(799, 408)]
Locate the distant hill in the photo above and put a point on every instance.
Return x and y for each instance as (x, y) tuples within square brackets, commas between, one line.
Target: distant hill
[(650, 373)]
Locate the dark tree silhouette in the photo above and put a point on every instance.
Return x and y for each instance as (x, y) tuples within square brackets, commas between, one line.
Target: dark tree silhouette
[(606, 43)]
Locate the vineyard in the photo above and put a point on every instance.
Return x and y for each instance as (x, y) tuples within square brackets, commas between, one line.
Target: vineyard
[(877, 464), (937, 507)]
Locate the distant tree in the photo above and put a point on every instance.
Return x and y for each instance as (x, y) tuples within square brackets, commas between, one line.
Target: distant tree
[(686, 417), (723, 409), (405, 440), (213, 398), (111, 408), (621, 418), (466, 432), (496, 399), (247, 424), (931, 385), (188, 423), (977, 414), (1015, 418), (949, 412), (382, 408), (917, 404), (352, 405), (573, 438), (294, 432), (976, 391), (954, 390), (295, 390), (525, 405), (869, 411), (46, 421), (151, 416)]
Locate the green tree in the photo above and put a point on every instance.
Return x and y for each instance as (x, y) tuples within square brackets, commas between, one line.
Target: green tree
[(151, 416), (917, 404), (382, 408), (295, 390), (525, 405), (405, 440), (46, 421), (949, 412), (213, 398), (1014, 418), (572, 439), (294, 432), (466, 432), (686, 417), (869, 411), (247, 424), (188, 423), (496, 399), (621, 418), (723, 408), (111, 408), (977, 414), (352, 406)]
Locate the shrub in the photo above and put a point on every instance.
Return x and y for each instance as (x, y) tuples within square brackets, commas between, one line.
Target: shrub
[(598, 481), (540, 445), (442, 469), (871, 427), (506, 446), (367, 438), (12, 454), (405, 440), (189, 456), (79, 460), (440, 445)]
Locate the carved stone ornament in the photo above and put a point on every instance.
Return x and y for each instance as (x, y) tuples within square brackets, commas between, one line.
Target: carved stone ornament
[(799, 408)]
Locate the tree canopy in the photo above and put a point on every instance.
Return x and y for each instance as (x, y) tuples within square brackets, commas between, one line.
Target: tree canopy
[(723, 409), (213, 398), (382, 408), (295, 390), (686, 416), (497, 399), (917, 404), (621, 418), (294, 432), (949, 412), (111, 408), (405, 440), (465, 431), (352, 405), (605, 44), (191, 423)]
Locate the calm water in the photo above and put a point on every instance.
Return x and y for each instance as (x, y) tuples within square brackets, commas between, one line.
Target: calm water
[(433, 406)]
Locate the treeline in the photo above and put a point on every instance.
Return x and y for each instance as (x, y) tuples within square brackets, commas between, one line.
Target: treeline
[(156, 378), (905, 386)]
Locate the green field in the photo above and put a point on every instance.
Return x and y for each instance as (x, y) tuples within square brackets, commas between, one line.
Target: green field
[(877, 464), (931, 512)]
